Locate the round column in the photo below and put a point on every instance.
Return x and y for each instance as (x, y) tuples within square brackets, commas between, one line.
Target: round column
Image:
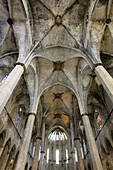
[(72, 149), (22, 157), (36, 155), (8, 86), (92, 144), (105, 79), (80, 160), (42, 160)]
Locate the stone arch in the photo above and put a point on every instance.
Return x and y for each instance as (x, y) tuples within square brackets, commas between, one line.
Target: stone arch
[(15, 161), (2, 138), (108, 146), (102, 151), (76, 51), (26, 166), (5, 154), (89, 166), (111, 136), (60, 127), (104, 158), (25, 123), (30, 168), (72, 90), (108, 166), (11, 158), (109, 155)]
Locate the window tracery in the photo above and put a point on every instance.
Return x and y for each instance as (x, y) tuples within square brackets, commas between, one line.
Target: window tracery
[(57, 135)]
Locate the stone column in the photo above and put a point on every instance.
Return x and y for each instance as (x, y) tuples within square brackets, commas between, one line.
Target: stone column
[(50, 155), (72, 150), (69, 153), (46, 147), (52, 148), (80, 163), (22, 157), (64, 152), (42, 146), (4, 161), (60, 154), (105, 79), (36, 155), (92, 144), (79, 155), (54, 155), (8, 86)]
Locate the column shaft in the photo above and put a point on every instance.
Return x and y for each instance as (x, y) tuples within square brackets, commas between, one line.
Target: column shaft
[(50, 155), (42, 147), (54, 156), (60, 154), (92, 144), (64, 154), (4, 162), (36, 155), (8, 86), (69, 153), (21, 162), (72, 150), (80, 160), (106, 80)]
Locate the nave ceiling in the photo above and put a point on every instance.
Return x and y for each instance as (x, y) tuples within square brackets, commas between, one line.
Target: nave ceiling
[(60, 40)]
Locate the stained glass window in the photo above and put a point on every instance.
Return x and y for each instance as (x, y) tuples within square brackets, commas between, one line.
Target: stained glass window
[(84, 146), (33, 150), (48, 155), (82, 151), (57, 156), (18, 116), (57, 135), (99, 121), (39, 154), (3, 80), (76, 157), (66, 156)]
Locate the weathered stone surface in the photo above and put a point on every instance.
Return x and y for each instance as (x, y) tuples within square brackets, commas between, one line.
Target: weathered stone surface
[(64, 55)]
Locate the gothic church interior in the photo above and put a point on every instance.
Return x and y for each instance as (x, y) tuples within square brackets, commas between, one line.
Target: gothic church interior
[(56, 85)]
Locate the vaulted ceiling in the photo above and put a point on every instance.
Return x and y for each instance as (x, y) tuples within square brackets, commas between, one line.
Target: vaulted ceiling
[(55, 36)]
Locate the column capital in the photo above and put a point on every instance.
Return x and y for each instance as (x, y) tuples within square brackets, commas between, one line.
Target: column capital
[(96, 65), (43, 118), (84, 114), (72, 152), (31, 113), (21, 64), (77, 138), (38, 137)]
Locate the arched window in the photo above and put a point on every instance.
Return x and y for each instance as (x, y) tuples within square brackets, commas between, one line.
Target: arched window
[(58, 140), (66, 156), (57, 135), (98, 118), (48, 155), (39, 154), (76, 157), (82, 151), (57, 156), (33, 149), (18, 116), (84, 146)]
